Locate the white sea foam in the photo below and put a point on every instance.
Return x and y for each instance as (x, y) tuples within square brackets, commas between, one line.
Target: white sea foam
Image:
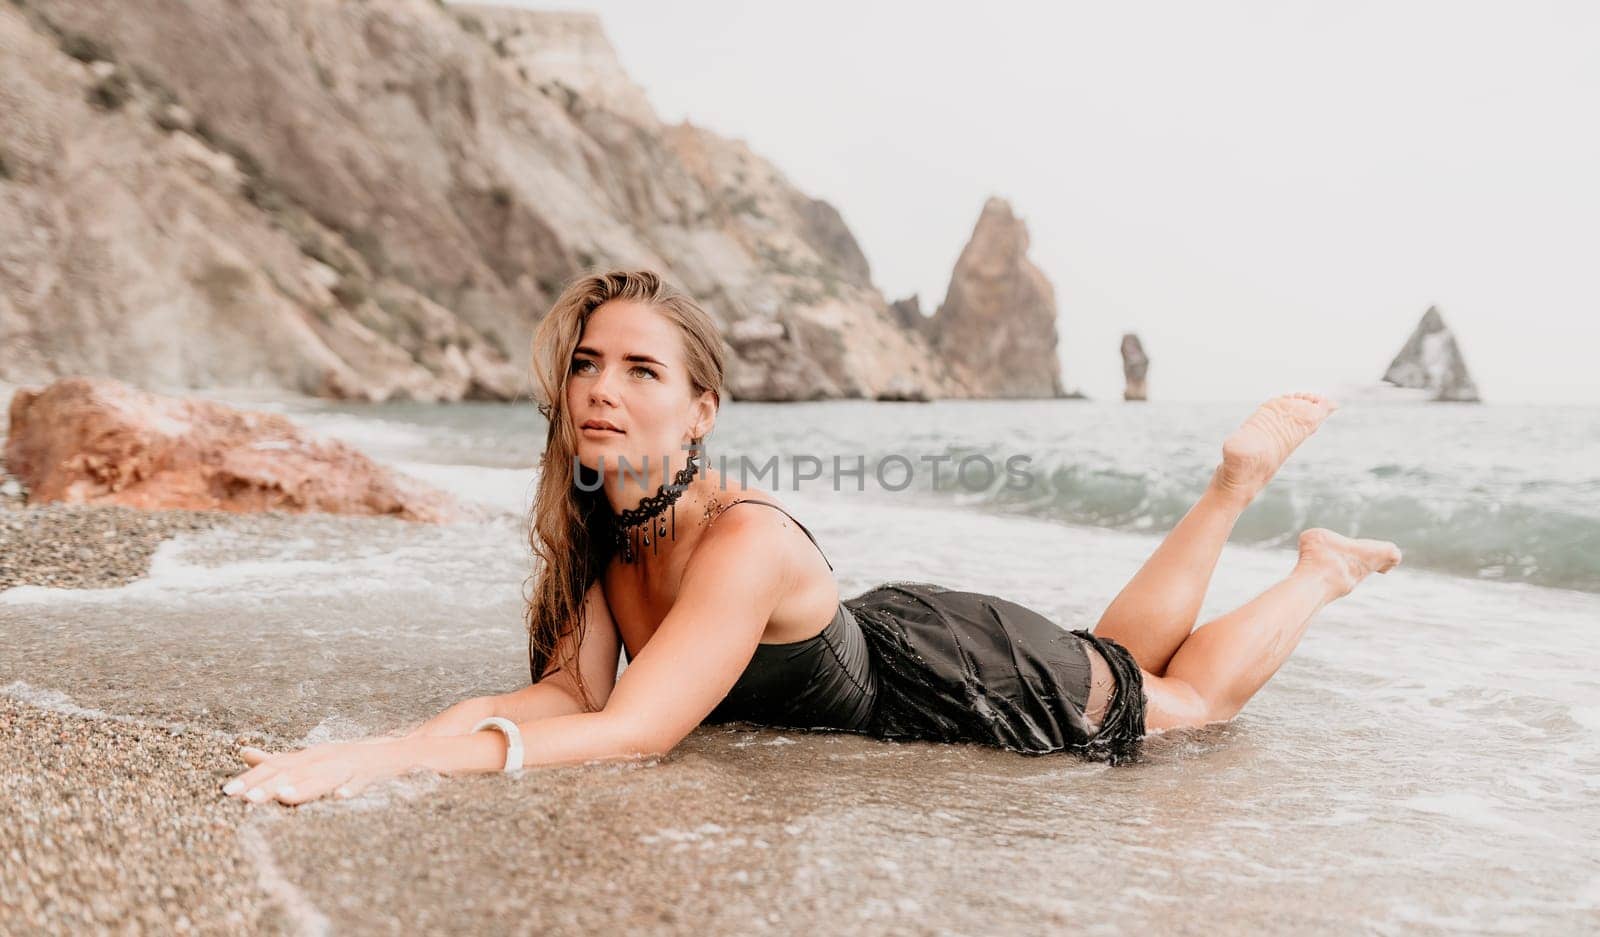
[(55, 701), (306, 919), (183, 570), (170, 576), (58, 702), (1588, 717), (334, 729), (509, 490), (364, 433)]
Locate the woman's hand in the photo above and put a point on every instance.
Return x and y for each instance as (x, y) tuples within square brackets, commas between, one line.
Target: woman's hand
[(340, 768)]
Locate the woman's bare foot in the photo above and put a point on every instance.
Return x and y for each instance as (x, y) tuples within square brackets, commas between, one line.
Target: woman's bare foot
[(1255, 451), (1341, 561)]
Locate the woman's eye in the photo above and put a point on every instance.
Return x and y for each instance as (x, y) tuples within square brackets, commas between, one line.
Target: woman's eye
[(578, 364)]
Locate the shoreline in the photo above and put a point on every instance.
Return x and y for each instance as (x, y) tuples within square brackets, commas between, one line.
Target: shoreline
[(117, 824), (99, 546), (97, 808), (81, 546)]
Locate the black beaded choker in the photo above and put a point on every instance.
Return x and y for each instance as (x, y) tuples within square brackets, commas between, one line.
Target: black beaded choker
[(634, 522)]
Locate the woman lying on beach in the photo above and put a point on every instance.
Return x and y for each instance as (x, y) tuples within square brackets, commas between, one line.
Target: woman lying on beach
[(728, 611)]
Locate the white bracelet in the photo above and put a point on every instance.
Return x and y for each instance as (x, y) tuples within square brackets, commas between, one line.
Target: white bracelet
[(513, 740)]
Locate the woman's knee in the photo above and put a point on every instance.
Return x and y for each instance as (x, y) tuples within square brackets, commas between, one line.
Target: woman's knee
[(1174, 703)]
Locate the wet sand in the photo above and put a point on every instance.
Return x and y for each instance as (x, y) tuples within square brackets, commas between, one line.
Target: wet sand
[(120, 826), (119, 830), (738, 831)]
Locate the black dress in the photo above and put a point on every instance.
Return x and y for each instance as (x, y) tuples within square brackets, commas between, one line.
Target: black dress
[(916, 660)]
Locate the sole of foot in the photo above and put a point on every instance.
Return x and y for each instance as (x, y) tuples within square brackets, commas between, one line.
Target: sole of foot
[(1254, 452), (1344, 561)]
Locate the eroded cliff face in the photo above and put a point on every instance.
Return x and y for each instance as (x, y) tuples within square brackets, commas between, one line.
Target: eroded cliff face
[(998, 319), (1431, 360), (379, 200)]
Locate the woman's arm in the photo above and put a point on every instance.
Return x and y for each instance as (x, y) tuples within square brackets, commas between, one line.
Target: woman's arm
[(728, 594), (556, 693), (549, 697), (543, 700), (458, 719)]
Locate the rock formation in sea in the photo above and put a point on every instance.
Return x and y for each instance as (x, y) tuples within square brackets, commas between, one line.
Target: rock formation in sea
[(378, 200), (908, 312), (100, 441), (1431, 360), (1135, 366), (998, 318)]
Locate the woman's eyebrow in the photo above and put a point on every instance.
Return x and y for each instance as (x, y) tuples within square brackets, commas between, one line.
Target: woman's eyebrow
[(586, 350)]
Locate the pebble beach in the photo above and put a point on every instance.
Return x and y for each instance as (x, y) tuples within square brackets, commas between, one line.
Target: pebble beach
[(112, 825), (115, 827)]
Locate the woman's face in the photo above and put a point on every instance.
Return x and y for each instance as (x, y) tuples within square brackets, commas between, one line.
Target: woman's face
[(628, 371)]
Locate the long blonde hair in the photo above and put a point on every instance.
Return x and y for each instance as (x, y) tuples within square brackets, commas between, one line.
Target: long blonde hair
[(572, 526)]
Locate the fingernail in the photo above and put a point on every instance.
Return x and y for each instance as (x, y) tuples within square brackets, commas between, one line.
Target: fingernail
[(286, 790), (232, 787), (256, 794)]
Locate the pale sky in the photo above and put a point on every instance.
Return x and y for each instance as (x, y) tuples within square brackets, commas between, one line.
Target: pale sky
[(1268, 193)]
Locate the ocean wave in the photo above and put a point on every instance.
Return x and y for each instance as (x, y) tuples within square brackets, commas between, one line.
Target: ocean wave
[(1540, 531)]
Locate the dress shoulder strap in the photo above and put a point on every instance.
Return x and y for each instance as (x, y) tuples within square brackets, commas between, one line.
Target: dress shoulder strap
[(787, 514)]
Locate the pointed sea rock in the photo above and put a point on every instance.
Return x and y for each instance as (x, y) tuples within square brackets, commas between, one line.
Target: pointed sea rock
[(1431, 360)]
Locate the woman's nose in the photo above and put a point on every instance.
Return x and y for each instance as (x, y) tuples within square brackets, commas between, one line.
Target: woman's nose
[(600, 387)]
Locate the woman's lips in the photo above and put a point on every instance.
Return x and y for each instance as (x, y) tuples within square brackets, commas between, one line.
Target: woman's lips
[(601, 431)]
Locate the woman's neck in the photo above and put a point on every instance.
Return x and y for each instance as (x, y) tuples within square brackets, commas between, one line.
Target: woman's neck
[(700, 504), (627, 490), (655, 528)]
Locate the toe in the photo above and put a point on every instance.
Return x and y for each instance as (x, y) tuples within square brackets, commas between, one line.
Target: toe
[(1326, 404), (290, 795)]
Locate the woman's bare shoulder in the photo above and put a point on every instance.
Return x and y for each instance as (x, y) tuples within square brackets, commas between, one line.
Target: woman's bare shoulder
[(719, 498), (776, 534)]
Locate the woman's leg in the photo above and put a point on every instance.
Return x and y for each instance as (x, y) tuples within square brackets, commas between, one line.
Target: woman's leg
[(1219, 667), (1157, 609)]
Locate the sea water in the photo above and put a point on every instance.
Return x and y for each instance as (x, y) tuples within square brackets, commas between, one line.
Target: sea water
[(1428, 760)]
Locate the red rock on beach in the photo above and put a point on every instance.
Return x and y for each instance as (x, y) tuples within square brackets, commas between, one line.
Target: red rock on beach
[(100, 441)]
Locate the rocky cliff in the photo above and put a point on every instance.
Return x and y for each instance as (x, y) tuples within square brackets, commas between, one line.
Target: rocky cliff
[(377, 200), (998, 319), (1430, 360)]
